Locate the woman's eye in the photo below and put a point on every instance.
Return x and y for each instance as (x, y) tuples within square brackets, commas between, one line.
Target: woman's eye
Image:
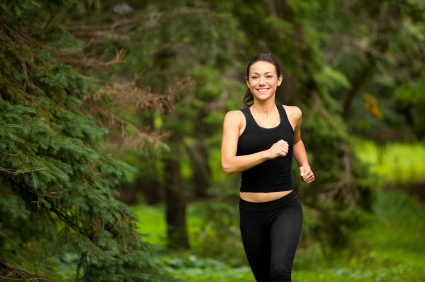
[(254, 77), (269, 76)]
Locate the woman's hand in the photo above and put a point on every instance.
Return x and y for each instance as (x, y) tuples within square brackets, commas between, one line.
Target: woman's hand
[(306, 174), (278, 149)]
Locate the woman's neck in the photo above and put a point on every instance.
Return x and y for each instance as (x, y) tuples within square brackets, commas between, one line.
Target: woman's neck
[(264, 108)]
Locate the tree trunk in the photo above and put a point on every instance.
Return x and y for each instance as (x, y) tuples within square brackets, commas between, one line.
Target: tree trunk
[(151, 190), (201, 171), (176, 206)]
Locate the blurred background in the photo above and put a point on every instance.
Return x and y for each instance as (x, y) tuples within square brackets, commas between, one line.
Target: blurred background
[(111, 125)]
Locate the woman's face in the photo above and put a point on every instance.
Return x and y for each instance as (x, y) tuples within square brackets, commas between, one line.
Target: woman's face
[(263, 80)]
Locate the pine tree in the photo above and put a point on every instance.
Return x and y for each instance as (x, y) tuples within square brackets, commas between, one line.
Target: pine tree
[(57, 184)]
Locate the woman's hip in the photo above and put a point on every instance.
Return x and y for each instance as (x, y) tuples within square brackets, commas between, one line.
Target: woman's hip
[(288, 200)]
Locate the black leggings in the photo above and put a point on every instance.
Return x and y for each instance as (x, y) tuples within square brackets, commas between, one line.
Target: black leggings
[(270, 235)]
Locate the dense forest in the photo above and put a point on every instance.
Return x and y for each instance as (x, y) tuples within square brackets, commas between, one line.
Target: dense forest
[(110, 109)]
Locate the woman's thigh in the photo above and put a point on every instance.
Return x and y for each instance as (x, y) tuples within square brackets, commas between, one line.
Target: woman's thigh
[(285, 234), (255, 233)]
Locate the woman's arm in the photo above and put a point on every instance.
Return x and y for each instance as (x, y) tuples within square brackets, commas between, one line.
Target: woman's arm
[(232, 163), (300, 153)]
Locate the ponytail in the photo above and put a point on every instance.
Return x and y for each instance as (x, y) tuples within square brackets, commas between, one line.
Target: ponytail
[(248, 99)]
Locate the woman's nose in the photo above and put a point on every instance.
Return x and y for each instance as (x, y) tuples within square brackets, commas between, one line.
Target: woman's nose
[(261, 81)]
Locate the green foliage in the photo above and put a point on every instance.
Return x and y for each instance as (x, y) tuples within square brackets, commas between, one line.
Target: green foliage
[(382, 42), (412, 100), (18, 9), (220, 224), (57, 184), (194, 268), (15, 8)]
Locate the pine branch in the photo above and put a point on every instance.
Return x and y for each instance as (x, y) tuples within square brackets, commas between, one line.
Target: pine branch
[(23, 38), (13, 155), (19, 171), (108, 31), (20, 274), (80, 264), (68, 221), (86, 63), (124, 96)]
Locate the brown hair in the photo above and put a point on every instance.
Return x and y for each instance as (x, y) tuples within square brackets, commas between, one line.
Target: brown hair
[(248, 99)]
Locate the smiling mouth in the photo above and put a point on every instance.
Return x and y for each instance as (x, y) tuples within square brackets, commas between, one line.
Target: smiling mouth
[(262, 90)]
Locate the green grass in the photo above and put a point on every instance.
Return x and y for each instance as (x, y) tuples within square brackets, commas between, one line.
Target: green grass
[(153, 223), (397, 162)]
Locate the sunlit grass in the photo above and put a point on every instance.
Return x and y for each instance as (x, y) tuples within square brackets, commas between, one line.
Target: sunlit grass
[(153, 223), (397, 162)]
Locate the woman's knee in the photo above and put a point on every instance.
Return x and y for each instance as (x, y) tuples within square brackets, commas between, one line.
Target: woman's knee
[(280, 272)]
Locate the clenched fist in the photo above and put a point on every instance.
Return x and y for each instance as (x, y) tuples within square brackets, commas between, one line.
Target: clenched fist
[(278, 149), (306, 174)]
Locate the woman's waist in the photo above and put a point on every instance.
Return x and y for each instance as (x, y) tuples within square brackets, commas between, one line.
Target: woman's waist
[(262, 196)]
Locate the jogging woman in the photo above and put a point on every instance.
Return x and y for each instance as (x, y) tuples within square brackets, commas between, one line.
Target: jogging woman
[(260, 141)]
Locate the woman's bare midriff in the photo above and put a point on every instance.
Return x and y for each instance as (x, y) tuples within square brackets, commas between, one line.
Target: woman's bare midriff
[(262, 197)]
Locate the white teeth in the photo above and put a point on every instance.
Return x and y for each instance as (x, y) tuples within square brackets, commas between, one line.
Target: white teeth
[(262, 90)]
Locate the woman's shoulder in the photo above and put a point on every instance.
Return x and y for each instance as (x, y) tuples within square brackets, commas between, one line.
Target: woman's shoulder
[(294, 114), (292, 110), (235, 116)]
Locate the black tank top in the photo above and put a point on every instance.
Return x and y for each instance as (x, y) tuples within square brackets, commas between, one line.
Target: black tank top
[(272, 175)]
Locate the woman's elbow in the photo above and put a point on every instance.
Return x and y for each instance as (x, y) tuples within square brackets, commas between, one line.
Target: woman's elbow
[(226, 168)]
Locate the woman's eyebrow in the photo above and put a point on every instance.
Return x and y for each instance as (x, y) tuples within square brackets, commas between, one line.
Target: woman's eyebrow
[(265, 72)]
